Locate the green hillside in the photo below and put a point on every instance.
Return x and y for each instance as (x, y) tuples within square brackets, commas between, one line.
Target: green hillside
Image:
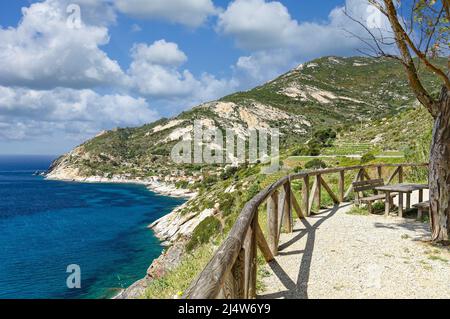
[(331, 92)]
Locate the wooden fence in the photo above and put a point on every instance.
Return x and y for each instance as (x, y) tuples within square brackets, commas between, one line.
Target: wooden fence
[(232, 271)]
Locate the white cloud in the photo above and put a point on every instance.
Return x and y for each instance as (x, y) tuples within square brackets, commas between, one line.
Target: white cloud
[(45, 52), (257, 24), (277, 42), (263, 65), (192, 13), (93, 12), (263, 25), (156, 72), (160, 52), (26, 113), (136, 28)]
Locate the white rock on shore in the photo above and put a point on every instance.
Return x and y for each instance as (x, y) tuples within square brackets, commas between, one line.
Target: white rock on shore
[(175, 225), (151, 183)]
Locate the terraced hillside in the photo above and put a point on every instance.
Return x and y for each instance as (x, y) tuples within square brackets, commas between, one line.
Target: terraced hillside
[(389, 135)]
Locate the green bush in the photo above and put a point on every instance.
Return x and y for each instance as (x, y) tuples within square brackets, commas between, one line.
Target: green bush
[(252, 192), (302, 150), (298, 169), (226, 204), (182, 184), (315, 164), (210, 180), (229, 172), (203, 232), (314, 147), (368, 157), (358, 211), (325, 136)]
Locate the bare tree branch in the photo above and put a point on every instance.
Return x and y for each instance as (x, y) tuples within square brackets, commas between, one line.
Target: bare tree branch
[(403, 35), (373, 45), (446, 4), (421, 93)]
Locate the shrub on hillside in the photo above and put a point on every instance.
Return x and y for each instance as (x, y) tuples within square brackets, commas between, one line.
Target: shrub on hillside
[(315, 164), (203, 232), (210, 180), (252, 191), (182, 184), (324, 136), (229, 172), (302, 150), (368, 157), (298, 169), (226, 204)]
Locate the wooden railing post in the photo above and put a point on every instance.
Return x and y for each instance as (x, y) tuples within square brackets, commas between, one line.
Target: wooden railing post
[(250, 261), (380, 172), (262, 244), (358, 177), (252, 274), (238, 278), (318, 195), (329, 191), (396, 171), (272, 219), (400, 174), (305, 196), (341, 186), (287, 208)]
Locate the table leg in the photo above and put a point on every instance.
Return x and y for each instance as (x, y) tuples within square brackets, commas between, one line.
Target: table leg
[(421, 196), (408, 201), (387, 204), (400, 205)]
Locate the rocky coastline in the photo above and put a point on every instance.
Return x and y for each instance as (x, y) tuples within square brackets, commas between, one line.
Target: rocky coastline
[(153, 184), (173, 229)]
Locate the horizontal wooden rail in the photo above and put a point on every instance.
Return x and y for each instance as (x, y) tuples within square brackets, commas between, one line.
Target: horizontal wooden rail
[(231, 273)]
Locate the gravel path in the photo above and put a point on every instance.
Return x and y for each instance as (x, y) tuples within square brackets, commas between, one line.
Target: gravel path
[(337, 255)]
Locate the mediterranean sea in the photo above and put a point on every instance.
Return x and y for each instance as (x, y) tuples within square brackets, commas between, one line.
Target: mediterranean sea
[(45, 226)]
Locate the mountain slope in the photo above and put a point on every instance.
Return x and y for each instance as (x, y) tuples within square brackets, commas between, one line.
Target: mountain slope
[(326, 92)]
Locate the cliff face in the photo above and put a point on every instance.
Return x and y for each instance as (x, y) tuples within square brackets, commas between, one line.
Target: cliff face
[(323, 93)]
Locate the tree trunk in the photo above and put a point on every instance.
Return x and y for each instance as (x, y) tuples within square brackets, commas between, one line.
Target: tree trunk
[(440, 172)]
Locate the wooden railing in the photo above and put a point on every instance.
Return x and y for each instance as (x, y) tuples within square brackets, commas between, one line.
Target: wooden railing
[(232, 271)]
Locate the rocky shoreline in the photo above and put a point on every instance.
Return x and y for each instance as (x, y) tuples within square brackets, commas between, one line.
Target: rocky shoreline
[(172, 229), (153, 185)]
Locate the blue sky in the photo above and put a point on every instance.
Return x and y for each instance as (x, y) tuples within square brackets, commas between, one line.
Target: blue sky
[(130, 62)]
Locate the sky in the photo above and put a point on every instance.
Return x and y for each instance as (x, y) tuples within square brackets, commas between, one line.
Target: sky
[(70, 69)]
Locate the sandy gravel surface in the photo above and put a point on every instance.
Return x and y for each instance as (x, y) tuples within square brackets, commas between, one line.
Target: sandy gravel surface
[(337, 255)]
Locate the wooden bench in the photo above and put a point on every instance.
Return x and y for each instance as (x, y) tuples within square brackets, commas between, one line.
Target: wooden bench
[(421, 207), (369, 185)]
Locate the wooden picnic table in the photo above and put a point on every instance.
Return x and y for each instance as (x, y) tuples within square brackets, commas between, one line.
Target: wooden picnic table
[(401, 189)]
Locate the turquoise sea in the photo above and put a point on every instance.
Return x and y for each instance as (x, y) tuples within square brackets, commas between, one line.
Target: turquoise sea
[(47, 225)]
